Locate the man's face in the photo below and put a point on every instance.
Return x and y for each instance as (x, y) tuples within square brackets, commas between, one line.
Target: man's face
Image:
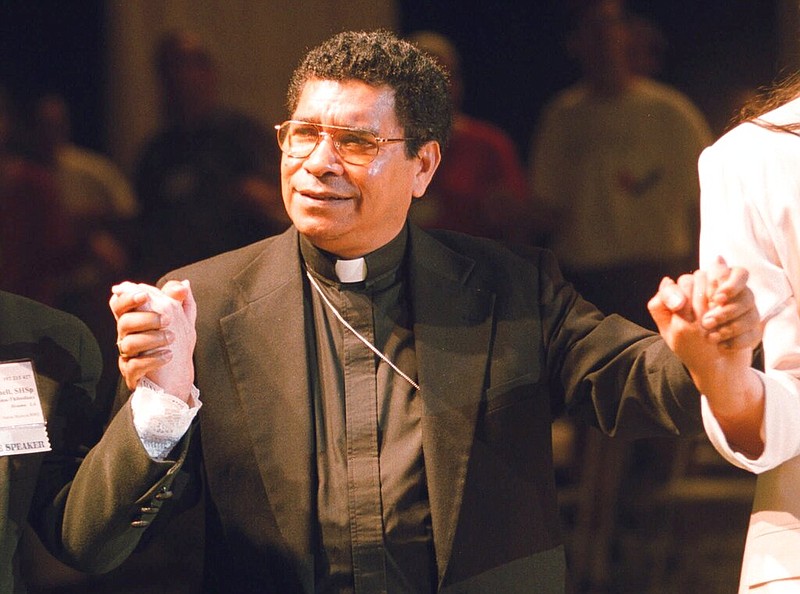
[(351, 210), (601, 40)]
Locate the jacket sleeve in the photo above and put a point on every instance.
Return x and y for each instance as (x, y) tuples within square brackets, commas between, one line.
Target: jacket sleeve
[(610, 372), (116, 495)]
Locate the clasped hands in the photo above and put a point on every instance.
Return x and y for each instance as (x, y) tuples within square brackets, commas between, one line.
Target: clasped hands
[(708, 318), (156, 334)]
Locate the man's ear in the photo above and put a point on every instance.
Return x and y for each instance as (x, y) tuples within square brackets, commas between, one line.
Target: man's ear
[(428, 159)]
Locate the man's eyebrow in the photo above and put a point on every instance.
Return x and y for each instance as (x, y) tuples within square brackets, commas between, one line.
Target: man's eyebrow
[(315, 120)]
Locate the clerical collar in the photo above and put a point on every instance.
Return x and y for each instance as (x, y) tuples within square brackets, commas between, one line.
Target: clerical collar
[(369, 268), (351, 271)]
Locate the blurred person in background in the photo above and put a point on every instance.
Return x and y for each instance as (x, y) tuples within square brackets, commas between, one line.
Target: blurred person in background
[(614, 160), (99, 206), (94, 190), (647, 46), (38, 246), (480, 187), (613, 173), (208, 180)]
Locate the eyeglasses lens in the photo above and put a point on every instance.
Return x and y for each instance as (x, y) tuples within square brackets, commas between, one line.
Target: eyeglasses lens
[(299, 139)]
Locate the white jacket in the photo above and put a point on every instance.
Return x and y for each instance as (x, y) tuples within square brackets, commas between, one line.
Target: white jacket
[(750, 214)]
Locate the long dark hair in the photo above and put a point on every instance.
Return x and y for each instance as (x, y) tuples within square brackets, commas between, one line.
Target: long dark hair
[(768, 99)]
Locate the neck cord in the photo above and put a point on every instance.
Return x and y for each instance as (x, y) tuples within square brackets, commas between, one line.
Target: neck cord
[(369, 345)]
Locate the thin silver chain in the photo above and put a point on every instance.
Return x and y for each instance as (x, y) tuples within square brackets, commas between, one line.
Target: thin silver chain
[(369, 345)]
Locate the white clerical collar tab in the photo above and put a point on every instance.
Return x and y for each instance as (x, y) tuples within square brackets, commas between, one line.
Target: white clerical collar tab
[(351, 271)]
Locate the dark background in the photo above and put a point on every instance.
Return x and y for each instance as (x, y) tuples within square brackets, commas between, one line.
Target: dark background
[(514, 57), (52, 46), (513, 53)]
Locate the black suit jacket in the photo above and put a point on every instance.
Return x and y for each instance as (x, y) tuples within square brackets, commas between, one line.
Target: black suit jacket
[(502, 343), (67, 366)]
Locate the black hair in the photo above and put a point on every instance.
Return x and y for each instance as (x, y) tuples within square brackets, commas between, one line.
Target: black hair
[(422, 101)]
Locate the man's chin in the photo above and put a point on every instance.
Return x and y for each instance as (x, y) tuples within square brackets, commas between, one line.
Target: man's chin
[(321, 233)]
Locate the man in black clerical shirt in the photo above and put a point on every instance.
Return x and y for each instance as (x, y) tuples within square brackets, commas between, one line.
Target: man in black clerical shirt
[(377, 399)]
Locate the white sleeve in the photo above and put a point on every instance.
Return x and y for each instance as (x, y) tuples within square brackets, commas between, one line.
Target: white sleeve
[(747, 197), (778, 429), (161, 419)]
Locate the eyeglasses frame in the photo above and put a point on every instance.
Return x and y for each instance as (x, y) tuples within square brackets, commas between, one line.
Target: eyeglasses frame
[(322, 132)]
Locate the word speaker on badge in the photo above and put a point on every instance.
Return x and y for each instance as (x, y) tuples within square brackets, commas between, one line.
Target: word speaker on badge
[(22, 426)]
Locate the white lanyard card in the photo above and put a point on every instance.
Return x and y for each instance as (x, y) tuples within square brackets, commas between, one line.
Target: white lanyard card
[(22, 425)]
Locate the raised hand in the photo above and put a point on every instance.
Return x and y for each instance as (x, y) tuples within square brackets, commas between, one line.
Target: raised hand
[(713, 307), (156, 334), (709, 319)]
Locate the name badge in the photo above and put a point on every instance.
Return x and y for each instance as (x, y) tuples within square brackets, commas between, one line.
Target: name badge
[(22, 426)]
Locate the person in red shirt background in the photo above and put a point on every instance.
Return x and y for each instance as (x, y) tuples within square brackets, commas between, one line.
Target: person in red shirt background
[(480, 186)]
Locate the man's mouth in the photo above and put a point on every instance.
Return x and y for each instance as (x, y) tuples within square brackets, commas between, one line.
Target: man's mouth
[(323, 197)]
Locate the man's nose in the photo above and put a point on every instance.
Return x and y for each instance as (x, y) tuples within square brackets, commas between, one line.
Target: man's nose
[(324, 157)]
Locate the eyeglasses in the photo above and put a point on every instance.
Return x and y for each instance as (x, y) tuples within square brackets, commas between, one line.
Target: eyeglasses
[(358, 147)]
